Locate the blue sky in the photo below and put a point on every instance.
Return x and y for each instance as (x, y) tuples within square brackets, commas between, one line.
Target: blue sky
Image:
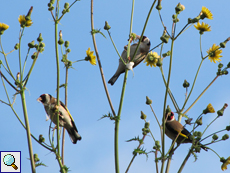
[(87, 101)]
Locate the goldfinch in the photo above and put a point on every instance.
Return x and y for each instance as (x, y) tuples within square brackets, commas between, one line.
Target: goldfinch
[(140, 56), (173, 127), (65, 118)]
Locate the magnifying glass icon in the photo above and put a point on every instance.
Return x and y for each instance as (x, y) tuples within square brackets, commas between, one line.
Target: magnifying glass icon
[(9, 160)]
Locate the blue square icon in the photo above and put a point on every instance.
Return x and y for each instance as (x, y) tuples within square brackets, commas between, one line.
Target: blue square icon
[(10, 161)]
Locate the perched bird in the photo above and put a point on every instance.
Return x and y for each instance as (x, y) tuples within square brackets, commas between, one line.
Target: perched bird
[(173, 127), (140, 56), (65, 118)]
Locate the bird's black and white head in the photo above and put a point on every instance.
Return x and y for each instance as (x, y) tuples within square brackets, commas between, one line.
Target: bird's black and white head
[(170, 117), (44, 99), (145, 44)]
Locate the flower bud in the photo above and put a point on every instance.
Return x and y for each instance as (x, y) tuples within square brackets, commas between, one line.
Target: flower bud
[(36, 159), (107, 27), (49, 4), (52, 1), (165, 38), (66, 44), (63, 11), (148, 101), (189, 20), (143, 116), (68, 50), (166, 54), (223, 44), (195, 19), (39, 39), (221, 111), (41, 139), (31, 44), (0, 62), (16, 46), (41, 44), (168, 110), (220, 65), (60, 41), (67, 10), (34, 55), (186, 84), (225, 72), (215, 137), (69, 63), (179, 8), (199, 122), (66, 5), (64, 58), (147, 125), (228, 128), (159, 7), (29, 13), (159, 62), (51, 8), (225, 137)]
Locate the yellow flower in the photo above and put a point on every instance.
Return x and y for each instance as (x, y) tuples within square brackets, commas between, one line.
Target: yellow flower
[(24, 22), (90, 57), (152, 59), (214, 53), (202, 27), (209, 109), (225, 164), (206, 13), (3, 27)]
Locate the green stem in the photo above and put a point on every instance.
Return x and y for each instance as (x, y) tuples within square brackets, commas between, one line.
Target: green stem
[(200, 95), (117, 123), (19, 54), (181, 31), (143, 31), (27, 129), (193, 84), (31, 68), (116, 48), (99, 63), (66, 99), (164, 109), (8, 67), (134, 155), (169, 92), (58, 82), (212, 134), (209, 125), (25, 61), (214, 152), (185, 160), (67, 9)]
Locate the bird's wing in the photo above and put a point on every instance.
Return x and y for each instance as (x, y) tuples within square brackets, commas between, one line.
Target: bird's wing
[(176, 128), (72, 121)]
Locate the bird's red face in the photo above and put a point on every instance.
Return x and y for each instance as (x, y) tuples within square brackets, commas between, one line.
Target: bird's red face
[(171, 116)]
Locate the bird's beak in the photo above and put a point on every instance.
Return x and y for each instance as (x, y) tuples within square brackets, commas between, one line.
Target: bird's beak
[(39, 99)]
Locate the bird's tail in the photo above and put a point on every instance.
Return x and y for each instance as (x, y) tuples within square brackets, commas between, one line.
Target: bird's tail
[(113, 79), (74, 135)]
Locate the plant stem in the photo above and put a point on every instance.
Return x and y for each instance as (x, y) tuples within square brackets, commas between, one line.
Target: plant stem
[(22, 93), (143, 31), (193, 84), (99, 63), (185, 160), (117, 123), (134, 155), (66, 99), (200, 95), (209, 125), (165, 102)]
